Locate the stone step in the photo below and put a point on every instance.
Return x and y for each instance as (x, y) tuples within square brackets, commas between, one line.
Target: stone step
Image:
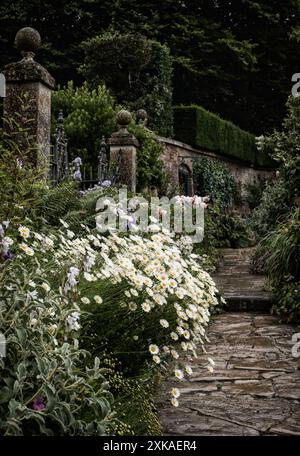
[(243, 291), (248, 303)]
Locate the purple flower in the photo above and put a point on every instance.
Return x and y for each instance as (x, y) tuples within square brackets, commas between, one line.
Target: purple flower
[(39, 404), (77, 175), (8, 255), (106, 183)]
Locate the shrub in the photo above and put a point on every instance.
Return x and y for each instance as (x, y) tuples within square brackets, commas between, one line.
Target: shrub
[(274, 205), (200, 128), (135, 412), (60, 200), (254, 192), (22, 182), (284, 147), (89, 114), (277, 216), (213, 178), (280, 250), (225, 229), (139, 310), (287, 301), (137, 71), (46, 385)]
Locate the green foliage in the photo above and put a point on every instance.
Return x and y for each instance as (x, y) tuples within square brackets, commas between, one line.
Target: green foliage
[(127, 333), (150, 167), (235, 58), (279, 196), (225, 229), (213, 178), (285, 148), (60, 200), (21, 179), (277, 216), (135, 413), (287, 301), (200, 128), (254, 192), (273, 207), (89, 114), (136, 70), (280, 250), (48, 385)]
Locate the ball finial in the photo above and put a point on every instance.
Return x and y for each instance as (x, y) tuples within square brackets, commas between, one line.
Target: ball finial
[(27, 41), (124, 118), (141, 116)]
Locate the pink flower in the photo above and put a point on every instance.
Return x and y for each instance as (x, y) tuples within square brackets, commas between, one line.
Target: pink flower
[(39, 404)]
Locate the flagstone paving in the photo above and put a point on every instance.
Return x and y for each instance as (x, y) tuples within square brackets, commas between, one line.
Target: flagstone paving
[(255, 386)]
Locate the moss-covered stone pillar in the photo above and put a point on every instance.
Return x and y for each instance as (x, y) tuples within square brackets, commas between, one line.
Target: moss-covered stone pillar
[(123, 151), (28, 97)]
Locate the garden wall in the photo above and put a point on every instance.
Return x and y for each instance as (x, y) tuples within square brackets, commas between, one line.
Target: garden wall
[(177, 154)]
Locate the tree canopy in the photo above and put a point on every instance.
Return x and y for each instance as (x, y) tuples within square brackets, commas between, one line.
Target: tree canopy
[(235, 58)]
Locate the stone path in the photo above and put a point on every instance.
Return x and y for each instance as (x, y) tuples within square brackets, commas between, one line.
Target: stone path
[(255, 386), (241, 289)]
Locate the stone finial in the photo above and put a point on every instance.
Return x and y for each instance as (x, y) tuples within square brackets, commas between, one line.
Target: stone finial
[(28, 41), (124, 119), (141, 116)]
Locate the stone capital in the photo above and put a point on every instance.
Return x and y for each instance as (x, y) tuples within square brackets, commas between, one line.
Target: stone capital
[(123, 139), (28, 71)]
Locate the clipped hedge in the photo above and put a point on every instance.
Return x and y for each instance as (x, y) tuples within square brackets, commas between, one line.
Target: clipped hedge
[(200, 128)]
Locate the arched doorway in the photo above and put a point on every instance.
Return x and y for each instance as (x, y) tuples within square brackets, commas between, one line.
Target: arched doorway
[(184, 175)]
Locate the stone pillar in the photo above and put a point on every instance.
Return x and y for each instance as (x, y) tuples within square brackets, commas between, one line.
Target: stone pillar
[(124, 145), (28, 98)]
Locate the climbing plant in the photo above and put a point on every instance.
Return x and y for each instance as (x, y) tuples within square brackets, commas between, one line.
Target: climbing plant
[(150, 167), (213, 178)]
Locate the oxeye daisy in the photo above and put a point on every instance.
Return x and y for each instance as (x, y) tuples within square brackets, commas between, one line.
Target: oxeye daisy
[(174, 402), (24, 232), (175, 392), (153, 349), (179, 374), (156, 359), (164, 323)]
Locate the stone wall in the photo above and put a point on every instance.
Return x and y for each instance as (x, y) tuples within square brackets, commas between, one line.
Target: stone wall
[(177, 153)]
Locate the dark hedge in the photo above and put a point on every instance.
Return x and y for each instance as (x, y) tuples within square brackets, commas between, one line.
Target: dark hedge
[(200, 128)]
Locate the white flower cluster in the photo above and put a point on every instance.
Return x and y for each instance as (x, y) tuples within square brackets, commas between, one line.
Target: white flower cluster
[(157, 274), (195, 201), (72, 321)]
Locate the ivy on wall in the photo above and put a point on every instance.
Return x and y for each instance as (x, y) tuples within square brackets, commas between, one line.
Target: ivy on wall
[(213, 178), (137, 71), (150, 167)]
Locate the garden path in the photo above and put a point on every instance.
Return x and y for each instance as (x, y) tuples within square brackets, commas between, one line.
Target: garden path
[(255, 386)]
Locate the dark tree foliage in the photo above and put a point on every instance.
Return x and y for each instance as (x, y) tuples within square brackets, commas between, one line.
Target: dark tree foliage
[(235, 58), (137, 71)]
